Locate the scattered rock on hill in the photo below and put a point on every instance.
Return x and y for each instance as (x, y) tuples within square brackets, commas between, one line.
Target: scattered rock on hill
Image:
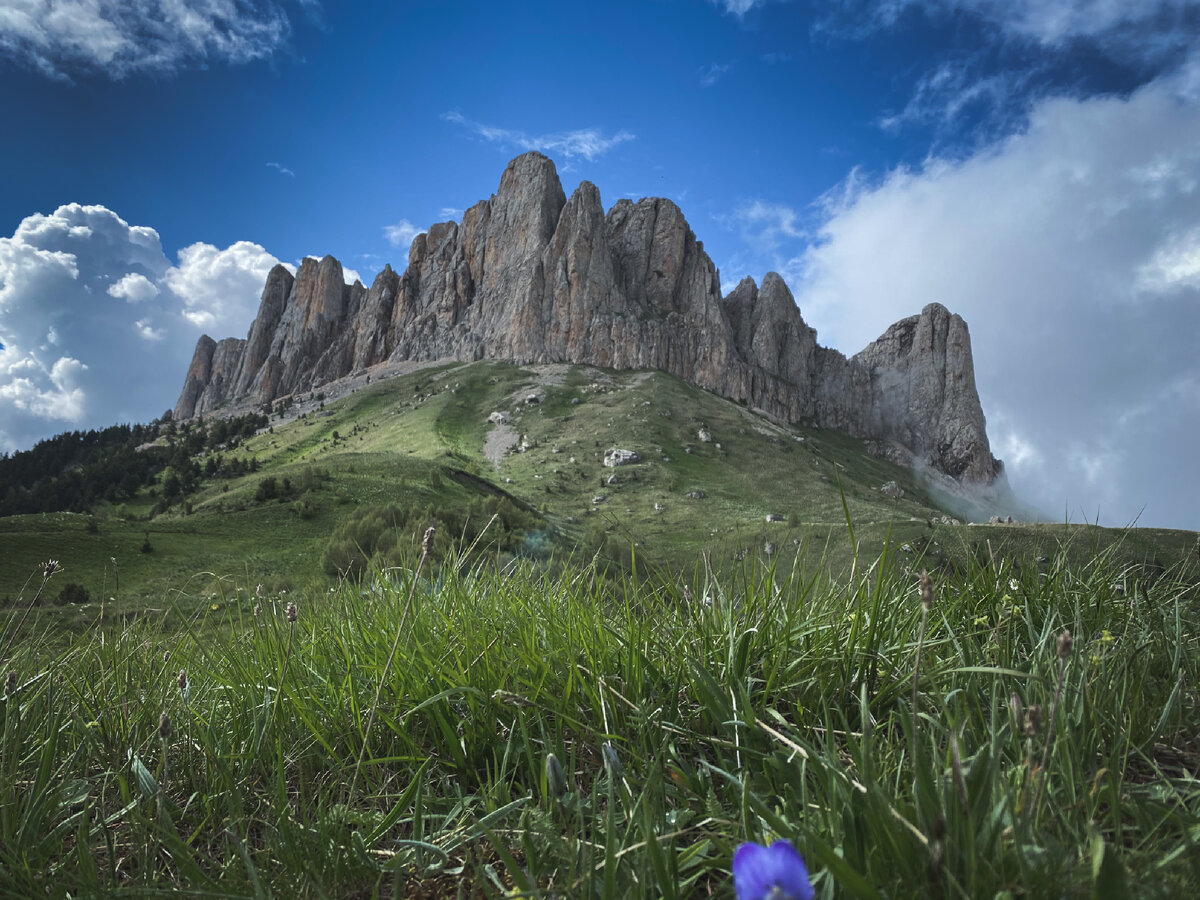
[(616, 457)]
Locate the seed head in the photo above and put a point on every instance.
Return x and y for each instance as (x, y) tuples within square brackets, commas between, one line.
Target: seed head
[(1033, 720), (291, 612), (10, 687), (1065, 642), (166, 656), (926, 591), (183, 682), (556, 779), (50, 567), (427, 541), (612, 760), (164, 727), (1015, 706)]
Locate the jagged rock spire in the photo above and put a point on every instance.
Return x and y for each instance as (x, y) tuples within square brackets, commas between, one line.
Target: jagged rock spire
[(534, 277)]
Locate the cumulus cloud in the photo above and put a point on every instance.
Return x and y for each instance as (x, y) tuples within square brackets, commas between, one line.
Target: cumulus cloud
[(588, 143), (133, 288), (402, 233), (220, 288), (1072, 249), (97, 325), (117, 38)]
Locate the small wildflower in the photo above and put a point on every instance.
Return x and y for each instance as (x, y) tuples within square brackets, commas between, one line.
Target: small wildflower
[(1106, 636), (291, 613), (556, 779), (257, 610), (980, 621), (164, 727), (926, 591), (770, 873), (258, 592), (1013, 584)]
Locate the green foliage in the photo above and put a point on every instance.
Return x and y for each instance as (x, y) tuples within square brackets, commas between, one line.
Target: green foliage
[(683, 717), (388, 536), (73, 592)]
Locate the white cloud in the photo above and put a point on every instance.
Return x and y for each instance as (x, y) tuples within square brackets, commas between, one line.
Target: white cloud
[(766, 225), (61, 400), (147, 331), (117, 38), (1146, 31), (1073, 251), (738, 8), (954, 88), (133, 288), (281, 169), (1174, 266), (402, 233), (220, 289), (588, 143), (449, 212), (713, 73), (97, 326)]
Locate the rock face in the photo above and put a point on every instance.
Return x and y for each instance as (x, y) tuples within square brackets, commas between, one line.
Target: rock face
[(533, 276)]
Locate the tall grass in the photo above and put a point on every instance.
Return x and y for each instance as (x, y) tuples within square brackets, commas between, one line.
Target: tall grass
[(893, 743)]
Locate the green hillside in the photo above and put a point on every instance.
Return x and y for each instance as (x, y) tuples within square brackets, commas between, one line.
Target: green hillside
[(419, 448)]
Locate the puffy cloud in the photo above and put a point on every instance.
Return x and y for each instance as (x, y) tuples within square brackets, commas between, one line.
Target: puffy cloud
[(586, 142), (1073, 250), (97, 326), (220, 288), (133, 288), (402, 233), (63, 38)]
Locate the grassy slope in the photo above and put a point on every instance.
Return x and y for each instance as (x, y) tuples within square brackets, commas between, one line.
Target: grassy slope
[(397, 436)]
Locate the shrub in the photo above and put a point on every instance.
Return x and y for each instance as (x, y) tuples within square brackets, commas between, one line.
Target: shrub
[(73, 592)]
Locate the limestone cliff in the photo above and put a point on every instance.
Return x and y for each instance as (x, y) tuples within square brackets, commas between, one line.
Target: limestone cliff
[(533, 276)]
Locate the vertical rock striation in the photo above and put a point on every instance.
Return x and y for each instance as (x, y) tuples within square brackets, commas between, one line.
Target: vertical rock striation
[(533, 276)]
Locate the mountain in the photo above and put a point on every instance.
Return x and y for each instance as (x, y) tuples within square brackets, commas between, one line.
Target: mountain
[(533, 277)]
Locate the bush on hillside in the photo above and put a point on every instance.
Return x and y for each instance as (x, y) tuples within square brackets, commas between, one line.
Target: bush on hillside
[(389, 536)]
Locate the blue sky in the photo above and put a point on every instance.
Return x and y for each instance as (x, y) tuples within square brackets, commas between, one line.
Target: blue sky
[(1032, 164)]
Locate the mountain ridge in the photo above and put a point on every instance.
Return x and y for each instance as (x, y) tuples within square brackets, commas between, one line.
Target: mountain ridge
[(532, 276)]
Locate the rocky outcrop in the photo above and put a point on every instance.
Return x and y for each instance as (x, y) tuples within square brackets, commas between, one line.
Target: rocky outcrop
[(533, 276)]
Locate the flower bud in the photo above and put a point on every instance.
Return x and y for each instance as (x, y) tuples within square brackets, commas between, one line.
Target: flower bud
[(556, 779)]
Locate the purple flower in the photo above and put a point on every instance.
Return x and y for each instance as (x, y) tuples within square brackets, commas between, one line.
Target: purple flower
[(770, 873)]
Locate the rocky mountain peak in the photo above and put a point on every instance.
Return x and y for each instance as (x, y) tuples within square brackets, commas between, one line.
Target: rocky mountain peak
[(531, 276)]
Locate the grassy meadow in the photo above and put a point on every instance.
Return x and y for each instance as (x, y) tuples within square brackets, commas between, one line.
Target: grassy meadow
[(392, 739)]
